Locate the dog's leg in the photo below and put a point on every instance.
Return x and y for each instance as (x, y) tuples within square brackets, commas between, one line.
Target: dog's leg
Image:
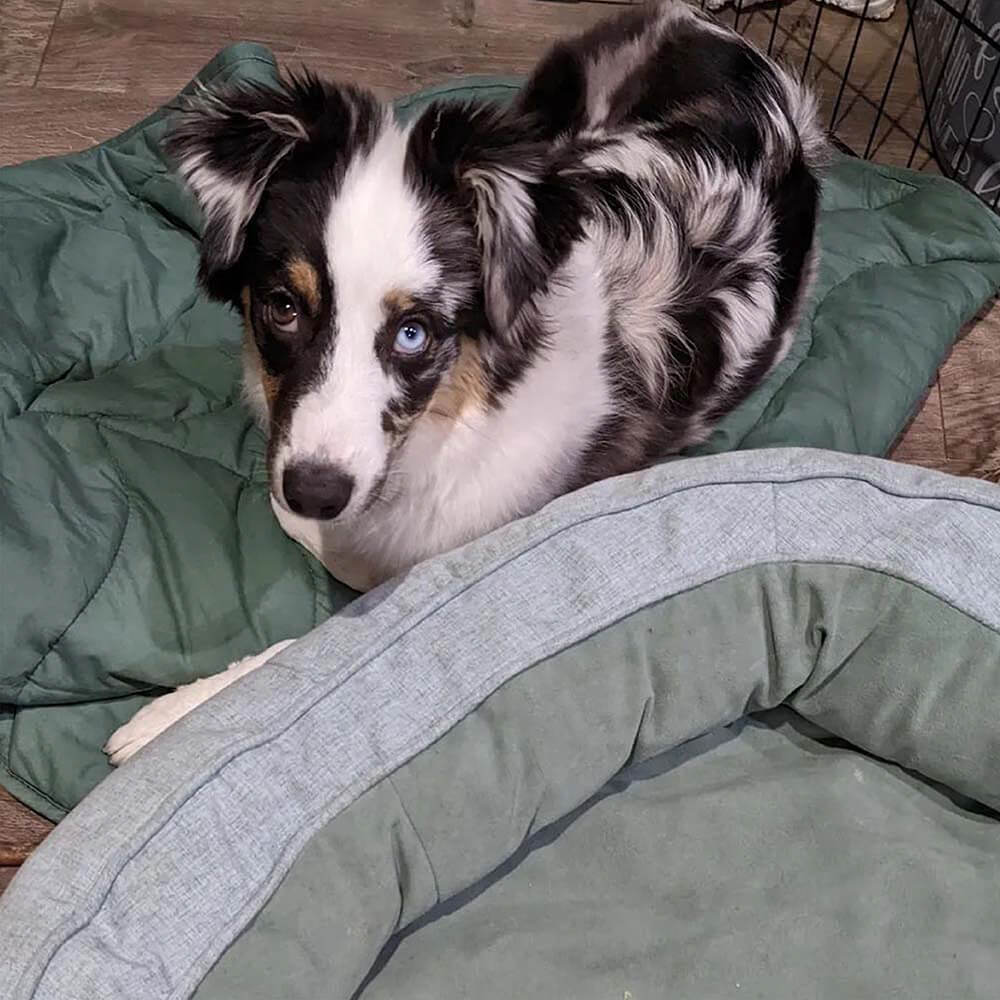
[(151, 720)]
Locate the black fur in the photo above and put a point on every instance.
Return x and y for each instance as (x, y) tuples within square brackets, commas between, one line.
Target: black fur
[(299, 133)]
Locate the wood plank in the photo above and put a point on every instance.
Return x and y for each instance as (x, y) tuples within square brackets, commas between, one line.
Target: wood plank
[(25, 27), (552, 19), (6, 874), (21, 830), (922, 443), (131, 47), (970, 392), (392, 46), (989, 467), (39, 121)]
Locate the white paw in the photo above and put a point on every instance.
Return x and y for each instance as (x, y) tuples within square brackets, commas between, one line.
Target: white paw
[(153, 718), (163, 712)]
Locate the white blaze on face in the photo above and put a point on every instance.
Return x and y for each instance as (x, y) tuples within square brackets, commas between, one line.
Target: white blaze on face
[(375, 245)]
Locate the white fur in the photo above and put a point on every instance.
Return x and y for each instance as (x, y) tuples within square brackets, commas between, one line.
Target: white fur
[(632, 153), (505, 217), (375, 245), (751, 316), (218, 196), (641, 287), (232, 201), (503, 195), (803, 109), (610, 67), (608, 70)]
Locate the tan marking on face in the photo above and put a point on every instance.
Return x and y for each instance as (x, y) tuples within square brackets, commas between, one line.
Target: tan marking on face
[(464, 387), (303, 278), (395, 303), (251, 355)]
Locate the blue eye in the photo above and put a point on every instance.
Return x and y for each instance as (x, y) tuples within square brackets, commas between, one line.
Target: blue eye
[(411, 338)]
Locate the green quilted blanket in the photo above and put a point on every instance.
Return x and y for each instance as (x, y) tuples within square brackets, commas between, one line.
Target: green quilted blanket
[(137, 545)]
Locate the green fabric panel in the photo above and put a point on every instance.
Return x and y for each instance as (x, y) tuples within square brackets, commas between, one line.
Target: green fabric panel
[(469, 88), (768, 855), (905, 257), (137, 545), (767, 865), (132, 475)]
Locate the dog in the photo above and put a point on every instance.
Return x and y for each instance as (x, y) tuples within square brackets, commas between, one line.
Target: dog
[(453, 321)]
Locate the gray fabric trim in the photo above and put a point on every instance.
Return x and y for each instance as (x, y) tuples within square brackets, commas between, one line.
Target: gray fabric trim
[(874, 660), (116, 903)]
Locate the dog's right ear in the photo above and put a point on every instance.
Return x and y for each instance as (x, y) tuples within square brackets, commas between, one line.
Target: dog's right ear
[(492, 162), (227, 143)]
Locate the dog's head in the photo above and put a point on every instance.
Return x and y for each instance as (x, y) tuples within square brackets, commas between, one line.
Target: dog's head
[(367, 258)]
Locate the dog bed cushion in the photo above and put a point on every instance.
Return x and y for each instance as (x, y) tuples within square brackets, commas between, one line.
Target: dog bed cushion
[(138, 549), (414, 801)]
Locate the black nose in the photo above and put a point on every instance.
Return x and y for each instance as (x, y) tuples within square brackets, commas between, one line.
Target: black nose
[(313, 489)]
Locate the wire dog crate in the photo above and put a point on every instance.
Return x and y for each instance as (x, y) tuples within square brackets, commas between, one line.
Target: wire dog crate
[(912, 83)]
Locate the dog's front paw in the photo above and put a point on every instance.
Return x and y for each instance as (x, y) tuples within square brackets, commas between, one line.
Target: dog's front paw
[(153, 718), (162, 713)]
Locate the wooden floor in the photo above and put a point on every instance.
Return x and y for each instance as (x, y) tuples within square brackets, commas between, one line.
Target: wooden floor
[(75, 72), (20, 832)]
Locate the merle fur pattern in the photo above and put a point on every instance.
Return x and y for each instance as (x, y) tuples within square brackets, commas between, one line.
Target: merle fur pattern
[(660, 150)]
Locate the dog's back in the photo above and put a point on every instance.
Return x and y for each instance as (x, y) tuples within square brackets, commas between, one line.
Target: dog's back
[(648, 234), (667, 63), (692, 158), (687, 160), (648, 238)]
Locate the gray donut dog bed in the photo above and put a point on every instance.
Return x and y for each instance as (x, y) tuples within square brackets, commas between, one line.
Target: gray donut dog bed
[(724, 728)]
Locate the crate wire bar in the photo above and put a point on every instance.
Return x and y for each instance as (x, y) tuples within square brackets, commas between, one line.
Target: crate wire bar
[(919, 89)]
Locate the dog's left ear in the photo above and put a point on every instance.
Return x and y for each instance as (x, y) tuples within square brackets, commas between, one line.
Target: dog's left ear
[(494, 164), (226, 144)]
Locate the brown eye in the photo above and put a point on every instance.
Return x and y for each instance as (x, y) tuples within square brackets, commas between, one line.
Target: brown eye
[(282, 312)]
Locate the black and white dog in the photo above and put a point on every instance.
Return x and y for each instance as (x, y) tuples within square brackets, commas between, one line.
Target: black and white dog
[(453, 321)]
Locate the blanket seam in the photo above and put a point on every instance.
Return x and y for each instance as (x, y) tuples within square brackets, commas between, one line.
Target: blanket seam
[(29, 674), (416, 833), (109, 422), (111, 563), (20, 779), (816, 308)]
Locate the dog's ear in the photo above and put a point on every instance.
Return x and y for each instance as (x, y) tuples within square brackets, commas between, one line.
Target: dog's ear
[(227, 143), (494, 164)]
